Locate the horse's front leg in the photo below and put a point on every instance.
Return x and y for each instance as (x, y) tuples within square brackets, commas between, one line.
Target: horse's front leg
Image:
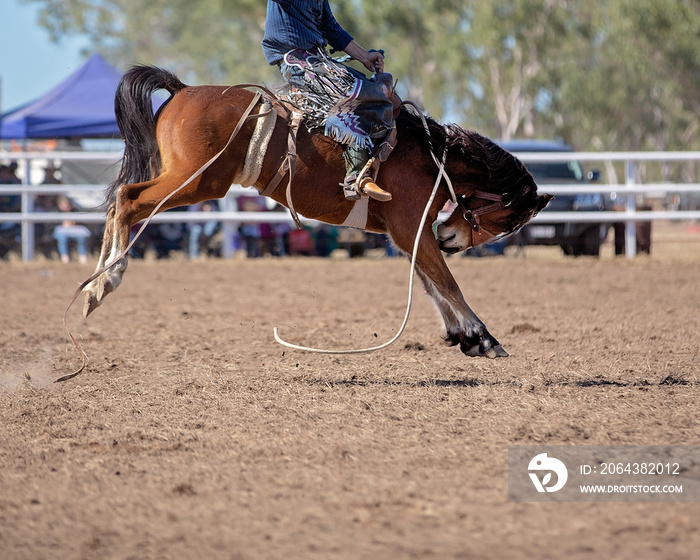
[(462, 324)]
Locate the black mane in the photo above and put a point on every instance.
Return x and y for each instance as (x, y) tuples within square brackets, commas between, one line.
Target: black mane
[(500, 166)]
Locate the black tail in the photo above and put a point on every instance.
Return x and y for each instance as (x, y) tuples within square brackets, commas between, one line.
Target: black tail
[(134, 111)]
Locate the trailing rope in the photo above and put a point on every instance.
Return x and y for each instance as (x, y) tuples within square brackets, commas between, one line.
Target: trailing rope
[(441, 174)]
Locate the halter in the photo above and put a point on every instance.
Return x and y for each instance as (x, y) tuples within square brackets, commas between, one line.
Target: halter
[(473, 216)]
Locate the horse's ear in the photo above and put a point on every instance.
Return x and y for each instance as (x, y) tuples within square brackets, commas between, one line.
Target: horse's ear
[(542, 201)]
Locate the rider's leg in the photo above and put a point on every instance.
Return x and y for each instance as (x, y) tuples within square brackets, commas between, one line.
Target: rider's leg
[(356, 183)]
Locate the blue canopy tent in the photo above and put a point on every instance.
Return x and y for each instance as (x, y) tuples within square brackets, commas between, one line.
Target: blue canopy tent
[(82, 106)]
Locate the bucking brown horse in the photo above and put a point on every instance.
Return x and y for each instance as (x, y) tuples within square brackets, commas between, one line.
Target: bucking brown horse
[(209, 137)]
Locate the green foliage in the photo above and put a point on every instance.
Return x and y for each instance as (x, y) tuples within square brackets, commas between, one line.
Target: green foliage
[(207, 41), (603, 74)]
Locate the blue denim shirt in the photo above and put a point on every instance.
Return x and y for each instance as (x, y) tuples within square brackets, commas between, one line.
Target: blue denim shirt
[(300, 24)]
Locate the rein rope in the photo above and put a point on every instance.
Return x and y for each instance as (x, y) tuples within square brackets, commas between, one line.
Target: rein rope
[(441, 165), (410, 291), (244, 117)]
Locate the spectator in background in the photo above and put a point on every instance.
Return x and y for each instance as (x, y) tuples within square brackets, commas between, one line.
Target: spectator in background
[(44, 232), (251, 237), (50, 177), (301, 242), (279, 244), (10, 232), (8, 174), (325, 240), (200, 233), (250, 231), (69, 230), (160, 238), (9, 177), (168, 237), (281, 239), (48, 202)]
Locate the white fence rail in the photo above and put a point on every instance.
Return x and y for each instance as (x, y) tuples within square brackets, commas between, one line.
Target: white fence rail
[(627, 192), (231, 218)]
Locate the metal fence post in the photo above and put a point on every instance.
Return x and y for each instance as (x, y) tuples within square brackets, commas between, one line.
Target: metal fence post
[(630, 210), (27, 208), (228, 228)]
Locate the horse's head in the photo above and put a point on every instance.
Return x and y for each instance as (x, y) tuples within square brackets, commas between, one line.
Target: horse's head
[(496, 195)]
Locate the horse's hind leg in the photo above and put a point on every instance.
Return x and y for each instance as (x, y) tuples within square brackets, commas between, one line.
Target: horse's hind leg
[(133, 203), (130, 206), (102, 285), (112, 246), (462, 324), (107, 236)]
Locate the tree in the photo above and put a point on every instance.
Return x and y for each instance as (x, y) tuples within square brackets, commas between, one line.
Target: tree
[(208, 41), (603, 74), (512, 59), (412, 37), (642, 81)]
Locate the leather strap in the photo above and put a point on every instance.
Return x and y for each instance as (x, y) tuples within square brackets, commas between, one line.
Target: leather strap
[(292, 159), (387, 146), (277, 179), (291, 154)]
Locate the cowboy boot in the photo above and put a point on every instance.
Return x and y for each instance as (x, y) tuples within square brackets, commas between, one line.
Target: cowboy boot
[(355, 185)]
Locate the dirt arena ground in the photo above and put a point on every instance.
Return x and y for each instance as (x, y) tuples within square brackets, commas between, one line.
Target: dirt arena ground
[(192, 434)]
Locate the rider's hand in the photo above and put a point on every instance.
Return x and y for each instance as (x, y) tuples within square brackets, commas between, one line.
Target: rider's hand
[(375, 62)]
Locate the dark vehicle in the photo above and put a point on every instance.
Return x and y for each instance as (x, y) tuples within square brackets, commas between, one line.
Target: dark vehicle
[(573, 238)]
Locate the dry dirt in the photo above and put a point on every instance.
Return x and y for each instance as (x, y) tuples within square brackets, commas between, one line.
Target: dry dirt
[(192, 434)]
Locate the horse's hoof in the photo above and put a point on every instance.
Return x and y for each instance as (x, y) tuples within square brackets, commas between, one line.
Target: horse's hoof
[(90, 303), (94, 294), (471, 351), (496, 352), (475, 345), (484, 349)]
